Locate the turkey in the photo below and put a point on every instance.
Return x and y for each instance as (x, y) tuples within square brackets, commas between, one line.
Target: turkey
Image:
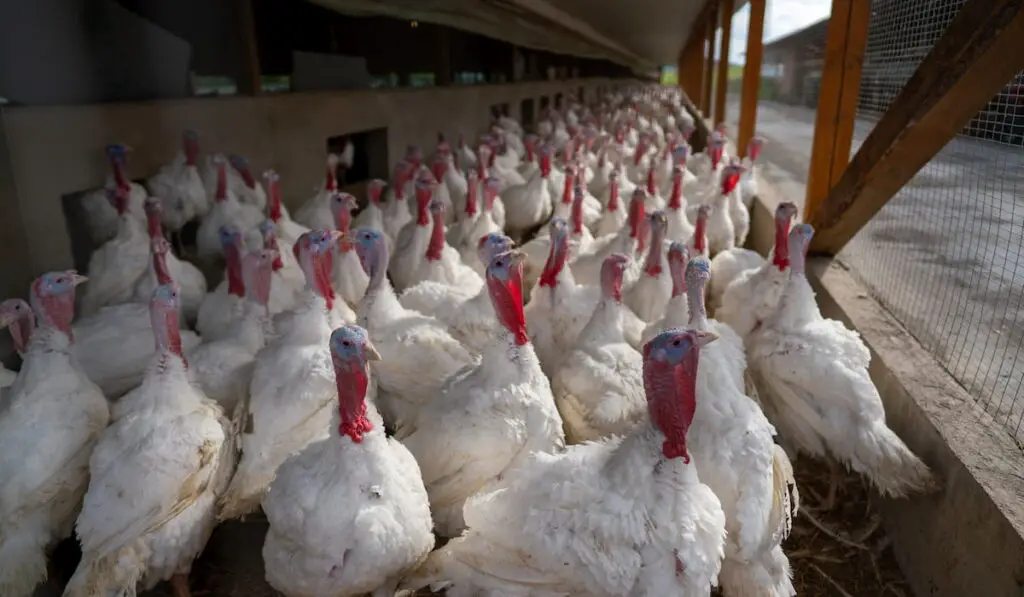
[(418, 353), (813, 375), (53, 404), (754, 294), (180, 188), (117, 266), (155, 475), (677, 311), (17, 317), (292, 388), (599, 386), (245, 186), (223, 368), (316, 212), (349, 278), (220, 307), (650, 528), (287, 229), (470, 321), (487, 418), (191, 283), (650, 294), (372, 215), (226, 210), (102, 218), (613, 218), (411, 242), (737, 458), (313, 547), (442, 263)]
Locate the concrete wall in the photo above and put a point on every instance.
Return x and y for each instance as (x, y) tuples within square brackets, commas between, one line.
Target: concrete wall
[(967, 539), (48, 152)]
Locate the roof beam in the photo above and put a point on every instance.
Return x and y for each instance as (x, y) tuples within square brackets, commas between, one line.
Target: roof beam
[(981, 50)]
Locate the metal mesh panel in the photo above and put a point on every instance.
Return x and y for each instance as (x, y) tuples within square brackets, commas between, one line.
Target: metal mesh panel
[(944, 255)]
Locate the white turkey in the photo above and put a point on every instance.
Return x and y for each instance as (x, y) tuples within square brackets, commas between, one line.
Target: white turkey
[(487, 418), (813, 375), (155, 475), (117, 265), (622, 517), (179, 186), (313, 547), (754, 294), (53, 404), (418, 352), (599, 386), (101, 218)]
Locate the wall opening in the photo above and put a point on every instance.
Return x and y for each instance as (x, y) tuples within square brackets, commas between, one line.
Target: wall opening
[(526, 116), (369, 159)]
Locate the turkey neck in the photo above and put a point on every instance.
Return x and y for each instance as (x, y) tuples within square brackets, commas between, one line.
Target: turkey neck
[(577, 215), (700, 233), (54, 312), (676, 200), (274, 199), (153, 224), (221, 193), (167, 331), (652, 187), (613, 196), (233, 256), (653, 265), (695, 303), (21, 331), (318, 268), (352, 379), (435, 246), (379, 298), (471, 207), (422, 209), (331, 180), (163, 273), (780, 258), (270, 244), (555, 264), (672, 400)]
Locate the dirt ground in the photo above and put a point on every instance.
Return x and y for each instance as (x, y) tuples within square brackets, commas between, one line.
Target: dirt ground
[(840, 553)]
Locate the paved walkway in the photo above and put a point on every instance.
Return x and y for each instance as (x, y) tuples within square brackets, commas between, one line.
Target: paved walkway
[(944, 255)]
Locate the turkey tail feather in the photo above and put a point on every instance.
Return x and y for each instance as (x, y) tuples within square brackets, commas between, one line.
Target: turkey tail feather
[(888, 462), (785, 496)]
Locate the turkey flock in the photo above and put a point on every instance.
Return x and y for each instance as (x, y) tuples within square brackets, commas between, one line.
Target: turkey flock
[(507, 355)]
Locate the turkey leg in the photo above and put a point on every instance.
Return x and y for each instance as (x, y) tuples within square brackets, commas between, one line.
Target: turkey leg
[(179, 586), (836, 475)]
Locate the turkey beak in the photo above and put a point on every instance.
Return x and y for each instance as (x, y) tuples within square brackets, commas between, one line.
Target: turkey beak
[(705, 338), (77, 279), (517, 257), (371, 353), (336, 236)]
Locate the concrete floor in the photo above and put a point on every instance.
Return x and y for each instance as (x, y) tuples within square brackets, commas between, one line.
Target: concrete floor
[(944, 256)]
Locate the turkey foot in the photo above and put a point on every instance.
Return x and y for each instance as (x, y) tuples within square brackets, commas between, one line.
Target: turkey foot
[(179, 586), (835, 480)]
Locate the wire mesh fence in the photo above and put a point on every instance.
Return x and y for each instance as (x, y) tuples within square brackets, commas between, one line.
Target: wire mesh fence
[(944, 255)]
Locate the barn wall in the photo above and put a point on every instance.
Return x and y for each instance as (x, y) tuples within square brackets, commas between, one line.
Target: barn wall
[(50, 152)]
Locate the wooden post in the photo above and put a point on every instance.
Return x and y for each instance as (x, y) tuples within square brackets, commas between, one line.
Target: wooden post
[(981, 50), (709, 63), (722, 82), (698, 63), (250, 82), (751, 76), (837, 99)]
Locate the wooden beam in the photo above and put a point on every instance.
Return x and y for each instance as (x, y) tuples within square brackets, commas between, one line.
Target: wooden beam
[(751, 76), (709, 62), (250, 82), (981, 50), (722, 81), (837, 99)]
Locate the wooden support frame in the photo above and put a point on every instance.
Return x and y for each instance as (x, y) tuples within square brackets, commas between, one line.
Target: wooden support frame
[(251, 80), (722, 80), (751, 76), (837, 99), (709, 62), (981, 50)]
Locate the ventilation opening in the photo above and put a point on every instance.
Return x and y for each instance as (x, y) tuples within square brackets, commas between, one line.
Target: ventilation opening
[(499, 110), (369, 160), (526, 115)]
